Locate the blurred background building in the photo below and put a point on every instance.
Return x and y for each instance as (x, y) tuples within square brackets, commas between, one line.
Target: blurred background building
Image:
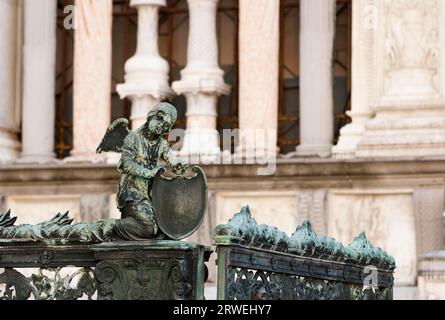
[(355, 91)]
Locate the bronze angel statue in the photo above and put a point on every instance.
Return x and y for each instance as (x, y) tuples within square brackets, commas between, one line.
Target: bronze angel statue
[(144, 151)]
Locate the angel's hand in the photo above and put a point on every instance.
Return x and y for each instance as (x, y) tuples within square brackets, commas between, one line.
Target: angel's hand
[(150, 173)]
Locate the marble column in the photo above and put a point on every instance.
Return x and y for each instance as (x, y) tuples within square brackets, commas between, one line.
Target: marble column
[(39, 80), (92, 77), (258, 75), (317, 30), (202, 80), (9, 18), (409, 82), (146, 73), (364, 23)]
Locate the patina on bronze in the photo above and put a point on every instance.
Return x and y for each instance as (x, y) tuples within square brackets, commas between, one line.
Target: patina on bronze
[(260, 262), (179, 202)]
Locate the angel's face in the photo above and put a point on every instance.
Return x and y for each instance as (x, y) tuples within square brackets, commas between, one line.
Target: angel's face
[(160, 123)]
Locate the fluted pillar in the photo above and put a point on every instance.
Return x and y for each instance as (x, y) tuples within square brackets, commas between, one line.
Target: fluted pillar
[(92, 77), (317, 30), (39, 78), (258, 76), (202, 80), (364, 22), (9, 144), (146, 73)]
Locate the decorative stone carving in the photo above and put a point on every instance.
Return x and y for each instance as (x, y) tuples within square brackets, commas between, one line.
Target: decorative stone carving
[(398, 72), (411, 49), (311, 206), (409, 109), (379, 213)]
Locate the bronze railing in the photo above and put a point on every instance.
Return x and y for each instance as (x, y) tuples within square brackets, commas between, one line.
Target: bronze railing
[(146, 270), (259, 262)]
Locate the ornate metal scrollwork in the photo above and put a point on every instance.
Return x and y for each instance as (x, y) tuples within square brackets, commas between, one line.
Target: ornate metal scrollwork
[(48, 284), (245, 284), (16, 285), (151, 280)]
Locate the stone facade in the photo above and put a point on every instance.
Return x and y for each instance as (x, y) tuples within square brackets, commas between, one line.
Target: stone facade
[(400, 89), (431, 278), (9, 79), (385, 175), (39, 61), (92, 74), (380, 213)]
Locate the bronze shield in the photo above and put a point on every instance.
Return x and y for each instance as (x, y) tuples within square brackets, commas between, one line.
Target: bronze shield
[(179, 202)]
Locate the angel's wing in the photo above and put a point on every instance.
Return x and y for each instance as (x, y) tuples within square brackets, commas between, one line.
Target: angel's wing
[(115, 136)]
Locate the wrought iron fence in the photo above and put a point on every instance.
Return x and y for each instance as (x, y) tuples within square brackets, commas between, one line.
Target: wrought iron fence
[(259, 262), (255, 262), (148, 270)]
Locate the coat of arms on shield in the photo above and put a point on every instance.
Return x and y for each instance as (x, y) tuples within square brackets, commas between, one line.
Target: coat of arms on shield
[(179, 202)]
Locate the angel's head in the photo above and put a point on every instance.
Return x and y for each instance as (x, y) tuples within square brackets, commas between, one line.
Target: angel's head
[(161, 118)]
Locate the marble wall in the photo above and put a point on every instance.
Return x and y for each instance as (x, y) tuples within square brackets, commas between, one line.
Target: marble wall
[(275, 208), (33, 209), (387, 217)]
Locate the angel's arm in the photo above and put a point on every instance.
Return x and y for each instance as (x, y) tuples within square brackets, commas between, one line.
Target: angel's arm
[(170, 158), (127, 163)]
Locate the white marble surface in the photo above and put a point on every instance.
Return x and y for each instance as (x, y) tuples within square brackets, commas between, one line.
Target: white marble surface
[(33, 209), (92, 74), (9, 61), (364, 33), (258, 68), (146, 72), (398, 95), (316, 85), (202, 80), (39, 81), (387, 217), (275, 208)]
